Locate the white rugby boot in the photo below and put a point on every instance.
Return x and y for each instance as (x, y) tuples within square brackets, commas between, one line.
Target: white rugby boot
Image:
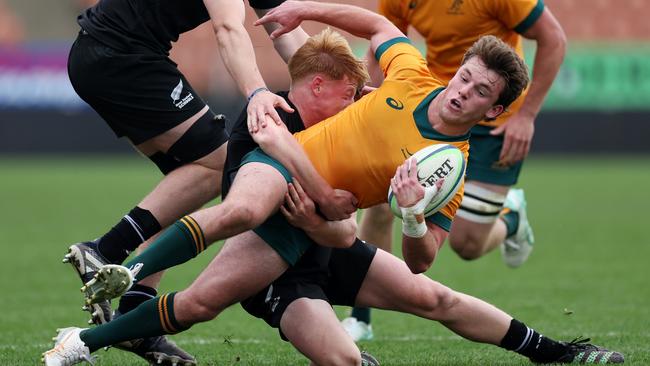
[(517, 247), (359, 331), (68, 349)]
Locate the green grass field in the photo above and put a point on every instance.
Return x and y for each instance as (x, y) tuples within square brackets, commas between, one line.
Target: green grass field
[(592, 259)]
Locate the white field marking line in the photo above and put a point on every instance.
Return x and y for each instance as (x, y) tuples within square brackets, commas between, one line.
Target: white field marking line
[(598, 337)]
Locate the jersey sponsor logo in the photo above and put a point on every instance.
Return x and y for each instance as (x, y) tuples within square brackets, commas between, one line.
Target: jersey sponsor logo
[(440, 173), (176, 95), (394, 103), (454, 9)]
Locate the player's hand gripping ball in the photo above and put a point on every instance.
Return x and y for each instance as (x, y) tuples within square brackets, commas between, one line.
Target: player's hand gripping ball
[(436, 162)]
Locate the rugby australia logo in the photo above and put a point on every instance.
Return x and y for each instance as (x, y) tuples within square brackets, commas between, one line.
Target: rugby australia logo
[(394, 103), (440, 173), (454, 9), (176, 95)]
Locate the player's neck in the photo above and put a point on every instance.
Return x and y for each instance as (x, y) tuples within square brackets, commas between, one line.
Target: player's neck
[(308, 114), (439, 124)]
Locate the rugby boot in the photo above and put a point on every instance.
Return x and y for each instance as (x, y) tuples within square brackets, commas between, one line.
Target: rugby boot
[(86, 260), (68, 349), (157, 350), (109, 282), (359, 331), (578, 351), (516, 248), (368, 360)]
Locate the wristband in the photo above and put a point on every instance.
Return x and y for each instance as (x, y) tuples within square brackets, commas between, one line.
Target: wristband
[(258, 90), (413, 224)]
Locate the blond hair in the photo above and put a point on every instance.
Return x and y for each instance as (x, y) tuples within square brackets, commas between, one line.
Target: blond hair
[(328, 53), (502, 59)]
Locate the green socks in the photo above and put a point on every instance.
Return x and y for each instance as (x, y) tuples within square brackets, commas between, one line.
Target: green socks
[(152, 318), (178, 244), (511, 219)]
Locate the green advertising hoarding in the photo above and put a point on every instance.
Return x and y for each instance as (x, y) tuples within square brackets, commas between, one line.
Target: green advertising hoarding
[(602, 77)]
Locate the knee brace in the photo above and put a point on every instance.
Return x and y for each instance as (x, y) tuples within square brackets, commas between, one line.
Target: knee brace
[(480, 205)]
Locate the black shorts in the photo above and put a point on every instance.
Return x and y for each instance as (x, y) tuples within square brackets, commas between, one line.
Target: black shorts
[(346, 271), (140, 94)]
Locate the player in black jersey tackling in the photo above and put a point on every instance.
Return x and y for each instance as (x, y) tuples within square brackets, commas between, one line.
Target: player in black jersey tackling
[(120, 65)]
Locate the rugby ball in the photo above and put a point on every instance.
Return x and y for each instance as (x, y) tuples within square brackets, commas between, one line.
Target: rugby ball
[(435, 162)]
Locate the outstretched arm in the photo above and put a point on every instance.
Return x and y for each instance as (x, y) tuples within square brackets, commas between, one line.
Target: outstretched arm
[(237, 53), (355, 20), (287, 44), (519, 129)]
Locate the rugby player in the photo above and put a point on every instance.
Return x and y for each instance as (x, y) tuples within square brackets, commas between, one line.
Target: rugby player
[(409, 111)]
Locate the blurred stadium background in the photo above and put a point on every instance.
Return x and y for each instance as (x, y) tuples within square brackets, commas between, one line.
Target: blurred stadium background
[(64, 177), (602, 93)]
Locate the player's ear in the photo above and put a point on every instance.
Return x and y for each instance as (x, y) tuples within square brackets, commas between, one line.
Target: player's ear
[(316, 84), (494, 111)]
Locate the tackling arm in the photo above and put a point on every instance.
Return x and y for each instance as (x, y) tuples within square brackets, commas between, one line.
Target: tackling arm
[(300, 211), (278, 142), (237, 53)]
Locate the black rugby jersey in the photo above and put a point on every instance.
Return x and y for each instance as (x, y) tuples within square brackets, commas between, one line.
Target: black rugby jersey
[(148, 25), (241, 142)]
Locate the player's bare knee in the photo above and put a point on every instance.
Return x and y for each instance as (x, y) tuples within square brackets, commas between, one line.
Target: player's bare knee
[(207, 180), (199, 310), (242, 216), (466, 247), (434, 299)]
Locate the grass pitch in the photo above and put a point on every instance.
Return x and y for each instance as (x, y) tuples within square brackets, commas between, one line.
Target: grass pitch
[(588, 275)]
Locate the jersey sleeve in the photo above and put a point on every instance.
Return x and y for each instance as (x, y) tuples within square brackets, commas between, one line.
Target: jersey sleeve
[(395, 11), (519, 15), (399, 60), (264, 4)]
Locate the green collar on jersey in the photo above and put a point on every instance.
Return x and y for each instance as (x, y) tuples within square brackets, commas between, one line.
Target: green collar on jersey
[(422, 121)]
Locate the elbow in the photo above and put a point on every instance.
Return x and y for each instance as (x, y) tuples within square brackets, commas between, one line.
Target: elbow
[(419, 266), (225, 30)]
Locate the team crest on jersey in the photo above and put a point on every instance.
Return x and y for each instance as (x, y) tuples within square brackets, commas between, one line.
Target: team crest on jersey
[(176, 95), (394, 103), (455, 8)]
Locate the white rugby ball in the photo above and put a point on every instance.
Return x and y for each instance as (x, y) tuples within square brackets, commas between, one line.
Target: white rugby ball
[(435, 162)]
